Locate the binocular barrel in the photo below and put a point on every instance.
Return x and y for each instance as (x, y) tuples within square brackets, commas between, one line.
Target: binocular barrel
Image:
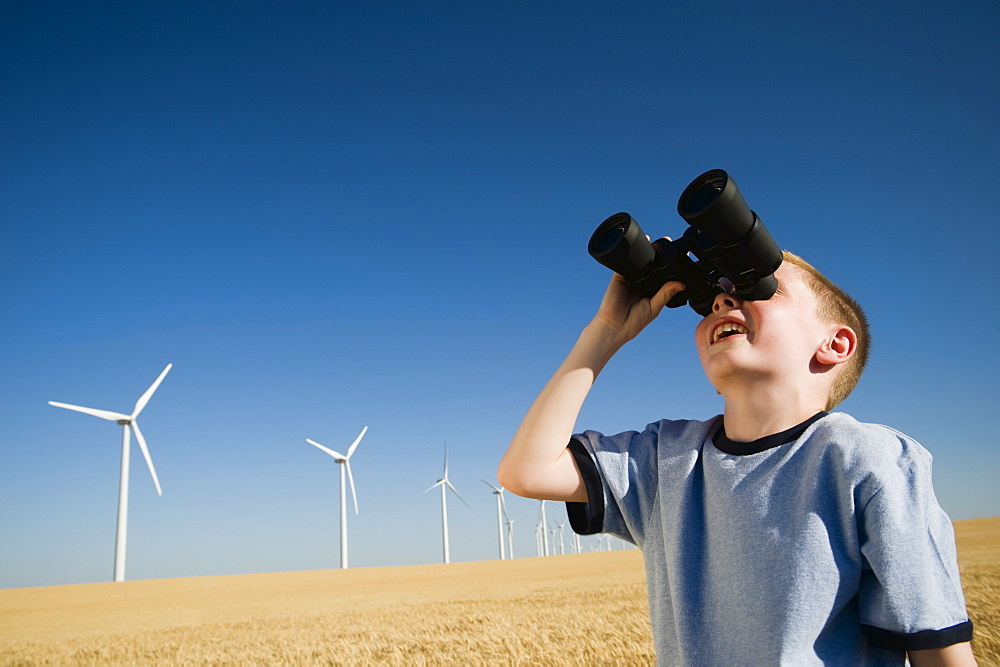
[(726, 236)]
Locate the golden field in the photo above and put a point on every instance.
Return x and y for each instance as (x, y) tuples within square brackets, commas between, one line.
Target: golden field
[(525, 611)]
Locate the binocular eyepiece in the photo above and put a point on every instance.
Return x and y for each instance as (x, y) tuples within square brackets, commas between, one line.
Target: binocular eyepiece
[(729, 240)]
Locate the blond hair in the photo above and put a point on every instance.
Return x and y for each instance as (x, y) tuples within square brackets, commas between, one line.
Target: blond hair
[(835, 306)]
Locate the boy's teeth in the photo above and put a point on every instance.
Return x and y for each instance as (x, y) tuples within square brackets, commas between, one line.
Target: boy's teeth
[(728, 328)]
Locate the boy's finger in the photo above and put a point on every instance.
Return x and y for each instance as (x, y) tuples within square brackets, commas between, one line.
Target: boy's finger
[(667, 292)]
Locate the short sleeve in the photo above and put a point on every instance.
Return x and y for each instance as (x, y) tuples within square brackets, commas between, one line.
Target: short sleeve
[(911, 594), (586, 518), (620, 474)]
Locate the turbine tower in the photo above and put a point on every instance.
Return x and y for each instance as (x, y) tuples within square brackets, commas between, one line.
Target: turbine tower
[(510, 537), (345, 465), (541, 520), (125, 421), (501, 513), (445, 484)]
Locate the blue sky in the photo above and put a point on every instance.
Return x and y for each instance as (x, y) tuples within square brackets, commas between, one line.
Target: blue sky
[(332, 215)]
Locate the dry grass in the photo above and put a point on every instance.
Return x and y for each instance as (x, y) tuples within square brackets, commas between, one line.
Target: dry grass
[(527, 611), (978, 543)]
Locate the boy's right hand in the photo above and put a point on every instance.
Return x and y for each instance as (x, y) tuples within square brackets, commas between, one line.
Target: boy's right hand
[(624, 312)]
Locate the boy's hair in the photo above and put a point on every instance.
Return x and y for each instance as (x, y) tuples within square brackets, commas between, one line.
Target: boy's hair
[(835, 306)]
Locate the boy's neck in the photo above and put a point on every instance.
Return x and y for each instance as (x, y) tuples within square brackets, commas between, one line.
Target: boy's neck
[(757, 413)]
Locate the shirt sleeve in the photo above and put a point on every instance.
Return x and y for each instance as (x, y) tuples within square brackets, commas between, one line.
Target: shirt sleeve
[(586, 518), (620, 473), (910, 594)]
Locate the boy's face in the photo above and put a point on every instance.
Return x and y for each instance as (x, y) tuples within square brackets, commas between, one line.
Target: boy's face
[(762, 340)]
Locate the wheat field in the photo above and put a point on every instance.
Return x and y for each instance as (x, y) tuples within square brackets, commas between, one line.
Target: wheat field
[(524, 611)]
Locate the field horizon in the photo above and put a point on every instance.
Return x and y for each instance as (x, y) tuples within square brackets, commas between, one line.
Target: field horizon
[(553, 609)]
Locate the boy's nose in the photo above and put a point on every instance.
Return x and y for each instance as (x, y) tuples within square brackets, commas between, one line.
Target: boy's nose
[(726, 301)]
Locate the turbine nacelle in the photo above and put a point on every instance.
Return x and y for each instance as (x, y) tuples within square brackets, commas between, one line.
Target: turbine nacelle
[(445, 481), (498, 491)]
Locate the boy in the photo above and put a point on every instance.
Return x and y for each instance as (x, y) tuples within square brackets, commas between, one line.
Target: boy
[(776, 532)]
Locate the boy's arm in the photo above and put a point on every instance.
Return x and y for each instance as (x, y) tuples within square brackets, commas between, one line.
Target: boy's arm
[(956, 654), (537, 463)]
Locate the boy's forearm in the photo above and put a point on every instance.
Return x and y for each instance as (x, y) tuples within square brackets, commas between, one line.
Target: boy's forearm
[(950, 656), (537, 463)]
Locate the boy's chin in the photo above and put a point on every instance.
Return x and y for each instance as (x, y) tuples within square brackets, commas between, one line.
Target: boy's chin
[(725, 372)]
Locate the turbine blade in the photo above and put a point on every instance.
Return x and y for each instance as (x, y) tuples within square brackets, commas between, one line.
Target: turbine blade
[(435, 485), (141, 403), (350, 478), (354, 445), (145, 454), (503, 503), (490, 485), (103, 414), (336, 455), (456, 493)]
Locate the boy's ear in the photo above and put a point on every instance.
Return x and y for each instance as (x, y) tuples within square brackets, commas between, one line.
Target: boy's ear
[(838, 347)]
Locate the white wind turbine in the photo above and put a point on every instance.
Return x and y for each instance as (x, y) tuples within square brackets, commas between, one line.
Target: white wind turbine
[(501, 513), (543, 523), (510, 537), (445, 483), (125, 421), (345, 465)]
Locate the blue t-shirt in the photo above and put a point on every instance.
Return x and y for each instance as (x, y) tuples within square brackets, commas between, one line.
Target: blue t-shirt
[(822, 544)]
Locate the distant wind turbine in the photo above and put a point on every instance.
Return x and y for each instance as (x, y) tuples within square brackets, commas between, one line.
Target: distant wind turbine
[(126, 421), (510, 537), (501, 512), (541, 520), (443, 483), (345, 465)]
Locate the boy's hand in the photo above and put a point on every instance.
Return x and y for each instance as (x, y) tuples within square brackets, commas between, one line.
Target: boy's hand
[(624, 312)]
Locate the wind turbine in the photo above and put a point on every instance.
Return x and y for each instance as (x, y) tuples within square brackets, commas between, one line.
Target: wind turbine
[(444, 483), (345, 465), (501, 512), (541, 520), (125, 421), (510, 537)]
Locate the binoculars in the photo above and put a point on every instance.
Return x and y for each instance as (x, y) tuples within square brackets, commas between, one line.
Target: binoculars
[(729, 240)]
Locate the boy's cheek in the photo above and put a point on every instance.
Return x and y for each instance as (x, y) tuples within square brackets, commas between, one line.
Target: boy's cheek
[(699, 333)]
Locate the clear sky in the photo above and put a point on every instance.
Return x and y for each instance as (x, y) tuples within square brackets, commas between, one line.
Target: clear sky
[(329, 215)]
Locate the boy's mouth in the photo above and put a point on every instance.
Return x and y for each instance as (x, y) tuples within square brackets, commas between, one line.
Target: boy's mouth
[(727, 329)]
